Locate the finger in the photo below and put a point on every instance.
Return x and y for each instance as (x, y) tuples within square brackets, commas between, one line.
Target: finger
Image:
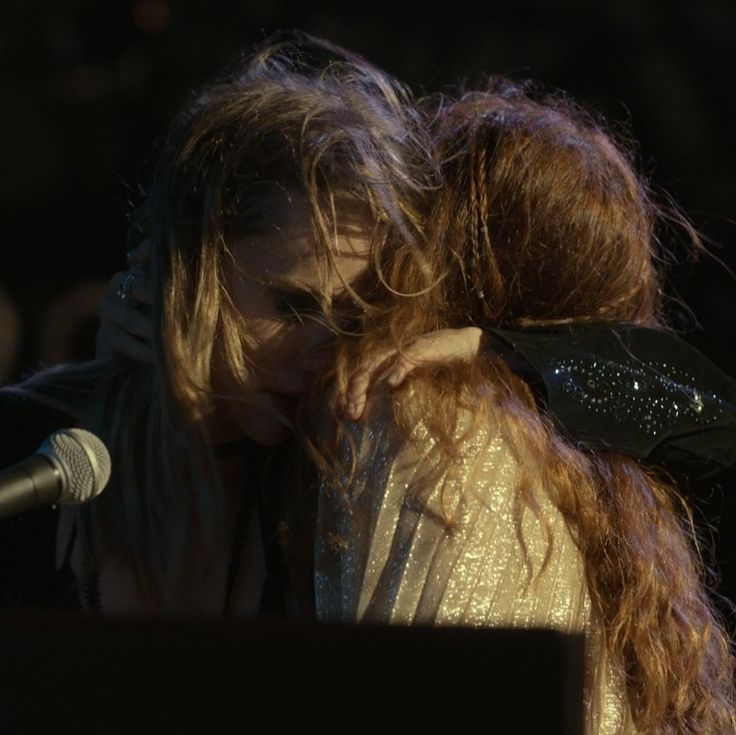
[(123, 343), (131, 285), (116, 281), (112, 337), (360, 383), (436, 348), (103, 348), (313, 360), (415, 355), (140, 290), (124, 315), (357, 393), (399, 371), (140, 256)]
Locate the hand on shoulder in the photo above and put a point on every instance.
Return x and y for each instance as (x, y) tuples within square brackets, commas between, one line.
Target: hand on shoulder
[(434, 348)]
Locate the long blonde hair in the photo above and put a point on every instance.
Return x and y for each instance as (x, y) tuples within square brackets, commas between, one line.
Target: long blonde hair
[(277, 132), (297, 129)]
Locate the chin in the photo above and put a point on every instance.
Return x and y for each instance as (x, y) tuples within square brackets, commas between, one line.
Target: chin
[(263, 422), (268, 432)]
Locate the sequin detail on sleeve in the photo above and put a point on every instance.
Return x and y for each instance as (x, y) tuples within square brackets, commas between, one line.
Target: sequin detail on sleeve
[(653, 397)]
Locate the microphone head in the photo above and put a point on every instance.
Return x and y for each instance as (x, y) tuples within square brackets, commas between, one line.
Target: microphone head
[(82, 461)]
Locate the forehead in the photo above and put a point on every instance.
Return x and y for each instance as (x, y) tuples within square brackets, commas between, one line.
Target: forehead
[(292, 258)]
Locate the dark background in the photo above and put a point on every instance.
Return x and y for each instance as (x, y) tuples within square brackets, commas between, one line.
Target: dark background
[(86, 86)]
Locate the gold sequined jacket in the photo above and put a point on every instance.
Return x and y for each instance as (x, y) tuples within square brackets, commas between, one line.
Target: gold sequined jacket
[(409, 543)]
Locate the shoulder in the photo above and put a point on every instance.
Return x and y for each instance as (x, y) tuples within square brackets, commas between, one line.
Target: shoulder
[(407, 458), (452, 529)]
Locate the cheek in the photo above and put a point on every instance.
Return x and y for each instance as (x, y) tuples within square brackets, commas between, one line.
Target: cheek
[(305, 341), (272, 342), (288, 351)]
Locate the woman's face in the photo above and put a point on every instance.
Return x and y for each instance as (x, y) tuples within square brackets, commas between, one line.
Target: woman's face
[(275, 289)]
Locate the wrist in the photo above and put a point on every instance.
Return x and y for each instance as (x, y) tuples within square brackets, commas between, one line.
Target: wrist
[(490, 344)]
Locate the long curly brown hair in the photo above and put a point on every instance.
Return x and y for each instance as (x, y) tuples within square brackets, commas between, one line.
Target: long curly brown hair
[(542, 219)]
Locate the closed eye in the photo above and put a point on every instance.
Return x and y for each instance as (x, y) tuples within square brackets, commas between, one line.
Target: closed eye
[(296, 305)]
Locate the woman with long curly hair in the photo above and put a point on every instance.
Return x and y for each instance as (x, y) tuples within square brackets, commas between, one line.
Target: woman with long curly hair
[(458, 502)]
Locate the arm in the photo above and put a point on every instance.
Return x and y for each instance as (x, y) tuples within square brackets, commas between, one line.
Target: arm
[(642, 392)]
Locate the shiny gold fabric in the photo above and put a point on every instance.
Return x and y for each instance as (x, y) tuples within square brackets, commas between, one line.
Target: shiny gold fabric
[(385, 553)]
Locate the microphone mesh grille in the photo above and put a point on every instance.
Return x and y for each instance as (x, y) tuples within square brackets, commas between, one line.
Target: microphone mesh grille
[(83, 460)]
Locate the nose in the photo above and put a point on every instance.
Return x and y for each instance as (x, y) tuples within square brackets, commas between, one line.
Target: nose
[(292, 382), (315, 353), (310, 354), (312, 361)]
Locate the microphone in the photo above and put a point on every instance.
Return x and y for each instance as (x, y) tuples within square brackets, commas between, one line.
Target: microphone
[(71, 466)]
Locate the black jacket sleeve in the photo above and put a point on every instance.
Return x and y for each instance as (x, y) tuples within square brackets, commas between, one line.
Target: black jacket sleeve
[(642, 392)]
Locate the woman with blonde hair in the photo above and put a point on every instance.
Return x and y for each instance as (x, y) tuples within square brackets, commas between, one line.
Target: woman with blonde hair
[(281, 182)]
